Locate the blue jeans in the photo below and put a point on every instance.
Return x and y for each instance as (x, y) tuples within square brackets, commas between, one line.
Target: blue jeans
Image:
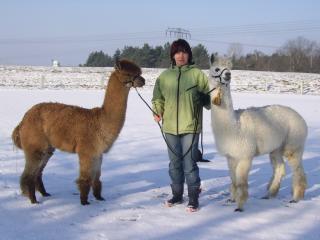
[(185, 167)]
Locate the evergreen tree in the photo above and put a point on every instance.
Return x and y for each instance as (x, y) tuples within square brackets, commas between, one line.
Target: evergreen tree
[(99, 59), (201, 56), (108, 61), (144, 55), (164, 60), (95, 59), (131, 53), (155, 54), (116, 55)]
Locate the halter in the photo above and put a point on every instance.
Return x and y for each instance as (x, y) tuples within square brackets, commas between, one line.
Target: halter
[(220, 80), (130, 83)]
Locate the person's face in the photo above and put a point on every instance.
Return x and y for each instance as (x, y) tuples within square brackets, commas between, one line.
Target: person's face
[(181, 58)]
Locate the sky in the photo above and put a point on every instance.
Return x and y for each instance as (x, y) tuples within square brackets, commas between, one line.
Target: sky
[(35, 32)]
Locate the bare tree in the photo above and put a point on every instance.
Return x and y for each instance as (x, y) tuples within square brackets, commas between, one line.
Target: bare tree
[(235, 51), (316, 59), (300, 52)]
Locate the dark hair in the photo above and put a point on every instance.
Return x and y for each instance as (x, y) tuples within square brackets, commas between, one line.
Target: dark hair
[(180, 45)]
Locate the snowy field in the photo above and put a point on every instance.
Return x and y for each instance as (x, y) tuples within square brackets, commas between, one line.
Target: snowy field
[(136, 182), (37, 77)]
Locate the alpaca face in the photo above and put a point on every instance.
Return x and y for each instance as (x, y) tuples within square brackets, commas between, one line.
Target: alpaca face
[(220, 80), (132, 80), (221, 76), (219, 72), (138, 81), (130, 73)]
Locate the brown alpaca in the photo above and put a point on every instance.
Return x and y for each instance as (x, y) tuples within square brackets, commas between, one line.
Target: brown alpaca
[(87, 132)]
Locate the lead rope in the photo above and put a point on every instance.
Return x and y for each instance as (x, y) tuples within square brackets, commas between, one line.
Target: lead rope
[(196, 125), (162, 133)]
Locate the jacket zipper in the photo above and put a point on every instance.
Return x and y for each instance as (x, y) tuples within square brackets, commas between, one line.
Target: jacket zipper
[(178, 91)]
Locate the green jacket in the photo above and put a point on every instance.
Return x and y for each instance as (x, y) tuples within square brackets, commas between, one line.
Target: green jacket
[(177, 97)]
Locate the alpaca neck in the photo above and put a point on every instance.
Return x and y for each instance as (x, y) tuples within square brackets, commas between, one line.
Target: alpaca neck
[(223, 116), (115, 104)]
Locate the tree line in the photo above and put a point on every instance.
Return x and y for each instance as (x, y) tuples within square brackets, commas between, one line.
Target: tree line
[(296, 55), (147, 56)]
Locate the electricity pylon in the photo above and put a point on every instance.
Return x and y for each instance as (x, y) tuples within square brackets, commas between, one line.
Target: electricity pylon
[(178, 33)]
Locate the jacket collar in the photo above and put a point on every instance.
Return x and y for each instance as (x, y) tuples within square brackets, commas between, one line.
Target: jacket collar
[(183, 68)]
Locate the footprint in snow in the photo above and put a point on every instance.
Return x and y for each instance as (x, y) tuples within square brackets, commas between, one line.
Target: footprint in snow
[(132, 218), (162, 195)]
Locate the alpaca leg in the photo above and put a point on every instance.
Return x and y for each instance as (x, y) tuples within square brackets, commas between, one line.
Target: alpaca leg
[(299, 182), (96, 184), (242, 172), (232, 171), (29, 175), (84, 180), (278, 173), (40, 186), (39, 183)]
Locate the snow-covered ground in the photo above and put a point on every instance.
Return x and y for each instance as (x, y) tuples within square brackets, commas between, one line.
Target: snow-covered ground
[(32, 77), (136, 182)]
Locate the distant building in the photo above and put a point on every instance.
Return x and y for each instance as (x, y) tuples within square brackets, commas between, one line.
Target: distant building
[(55, 63)]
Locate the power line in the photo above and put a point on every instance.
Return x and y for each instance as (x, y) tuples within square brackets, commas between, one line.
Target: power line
[(259, 32), (285, 25), (244, 44), (249, 29), (208, 34)]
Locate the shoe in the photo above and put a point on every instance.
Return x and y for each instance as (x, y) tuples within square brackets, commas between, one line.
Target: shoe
[(177, 193), (174, 201), (191, 208), (193, 193)]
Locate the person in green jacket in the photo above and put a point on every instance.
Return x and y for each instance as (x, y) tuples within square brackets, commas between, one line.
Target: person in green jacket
[(178, 98)]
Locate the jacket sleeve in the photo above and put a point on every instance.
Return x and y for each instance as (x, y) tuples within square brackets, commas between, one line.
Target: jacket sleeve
[(157, 99), (204, 88)]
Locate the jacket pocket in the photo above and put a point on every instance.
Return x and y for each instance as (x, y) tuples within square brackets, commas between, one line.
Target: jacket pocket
[(189, 88)]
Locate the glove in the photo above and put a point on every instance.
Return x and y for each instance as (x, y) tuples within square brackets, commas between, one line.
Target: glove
[(204, 99)]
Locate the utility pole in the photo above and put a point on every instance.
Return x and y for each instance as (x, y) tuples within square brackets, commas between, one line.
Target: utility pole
[(178, 33)]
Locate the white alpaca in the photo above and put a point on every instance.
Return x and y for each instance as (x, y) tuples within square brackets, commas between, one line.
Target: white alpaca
[(243, 134)]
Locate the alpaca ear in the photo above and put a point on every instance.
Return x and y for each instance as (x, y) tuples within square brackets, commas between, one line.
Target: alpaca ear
[(212, 58), (216, 100), (117, 65)]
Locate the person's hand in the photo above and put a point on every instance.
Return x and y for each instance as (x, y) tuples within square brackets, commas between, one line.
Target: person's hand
[(157, 118), (204, 99)]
